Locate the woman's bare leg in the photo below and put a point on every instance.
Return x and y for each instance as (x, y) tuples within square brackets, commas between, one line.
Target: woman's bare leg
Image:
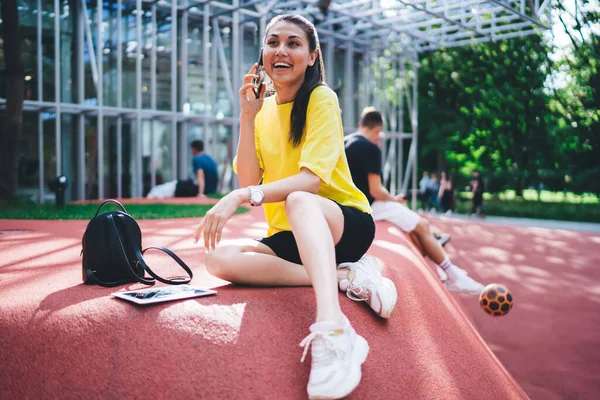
[(250, 262), (318, 224)]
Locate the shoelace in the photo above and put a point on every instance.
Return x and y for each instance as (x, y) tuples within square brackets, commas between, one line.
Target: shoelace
[(322, 355), (358, 292)]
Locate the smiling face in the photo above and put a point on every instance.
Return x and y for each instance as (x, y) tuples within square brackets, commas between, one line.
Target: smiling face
[(287, 53)]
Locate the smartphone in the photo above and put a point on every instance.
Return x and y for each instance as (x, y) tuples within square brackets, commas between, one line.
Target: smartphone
[(260, 71)]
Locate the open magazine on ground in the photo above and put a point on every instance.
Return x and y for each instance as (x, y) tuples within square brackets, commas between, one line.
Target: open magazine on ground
[(161, 294)]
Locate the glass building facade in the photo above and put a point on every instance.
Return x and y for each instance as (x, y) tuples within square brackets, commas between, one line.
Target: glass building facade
[(115, 91)]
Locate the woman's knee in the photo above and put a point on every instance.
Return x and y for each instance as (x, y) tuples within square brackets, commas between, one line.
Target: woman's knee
[(219, 261), (302, 205), (297, 201)]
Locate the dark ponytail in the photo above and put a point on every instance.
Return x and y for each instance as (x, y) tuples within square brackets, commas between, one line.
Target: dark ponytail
[(313, 77)]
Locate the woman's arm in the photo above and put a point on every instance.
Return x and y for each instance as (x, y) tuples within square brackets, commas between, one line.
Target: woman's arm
[(214, 221), (248, 167), (304, 181)]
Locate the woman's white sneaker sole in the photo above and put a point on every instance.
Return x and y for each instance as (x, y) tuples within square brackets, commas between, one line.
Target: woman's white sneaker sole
[(388, 305)]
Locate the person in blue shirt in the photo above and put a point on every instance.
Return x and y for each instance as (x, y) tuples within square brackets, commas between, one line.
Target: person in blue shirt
[(205, 169), (434, 188)]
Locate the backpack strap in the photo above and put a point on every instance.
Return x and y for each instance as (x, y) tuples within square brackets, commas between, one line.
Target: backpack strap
[(136, 251), (139, 255), (109, 201), (174, 280)]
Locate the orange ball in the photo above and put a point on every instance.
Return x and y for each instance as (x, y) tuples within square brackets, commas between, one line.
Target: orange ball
[(496, 300)]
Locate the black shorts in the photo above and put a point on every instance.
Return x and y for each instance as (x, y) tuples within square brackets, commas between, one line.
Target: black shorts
[(359, 232)]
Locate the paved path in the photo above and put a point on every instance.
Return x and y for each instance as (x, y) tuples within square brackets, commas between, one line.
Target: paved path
[(526, 222)]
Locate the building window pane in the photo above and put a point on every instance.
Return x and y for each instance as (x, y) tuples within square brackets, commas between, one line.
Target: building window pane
[(110, 158), (128, 147), (109, 53), (163, 152), (91, 158), (48, 63), (50, 171), (164, 78), (28, 156)]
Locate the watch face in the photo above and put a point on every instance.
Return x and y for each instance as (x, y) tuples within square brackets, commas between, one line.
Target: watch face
[(255, 197)]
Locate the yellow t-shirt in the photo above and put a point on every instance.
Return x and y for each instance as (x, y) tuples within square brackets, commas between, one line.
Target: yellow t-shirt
[(321, 151)]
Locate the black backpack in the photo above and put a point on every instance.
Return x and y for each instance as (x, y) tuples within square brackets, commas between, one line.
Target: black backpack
[(112, 252)]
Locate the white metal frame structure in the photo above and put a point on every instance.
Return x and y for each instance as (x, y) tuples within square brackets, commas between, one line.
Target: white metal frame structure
[(370, 51)]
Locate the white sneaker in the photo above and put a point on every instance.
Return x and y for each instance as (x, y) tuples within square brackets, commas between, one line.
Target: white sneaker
[(366, 283), (464, 283), (442, 238), (337, 355), (441, 273)]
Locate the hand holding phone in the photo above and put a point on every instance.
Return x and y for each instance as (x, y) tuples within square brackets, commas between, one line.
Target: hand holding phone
[(260, 71)]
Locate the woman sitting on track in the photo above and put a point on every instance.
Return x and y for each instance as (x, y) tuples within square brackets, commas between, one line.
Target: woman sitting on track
[(293, 143)]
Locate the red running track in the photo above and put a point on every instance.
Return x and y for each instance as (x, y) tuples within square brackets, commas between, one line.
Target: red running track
[(550, 341), (62, 339)]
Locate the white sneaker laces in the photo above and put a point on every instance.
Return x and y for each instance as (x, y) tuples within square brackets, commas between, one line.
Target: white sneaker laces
[(358, 292), (322, 349)]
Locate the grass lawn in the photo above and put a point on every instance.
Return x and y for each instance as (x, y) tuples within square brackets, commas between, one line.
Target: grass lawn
[(546, 196), (26, 209), (553, 205)]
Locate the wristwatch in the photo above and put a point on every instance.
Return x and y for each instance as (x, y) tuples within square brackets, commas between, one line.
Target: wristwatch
[(255, 196)]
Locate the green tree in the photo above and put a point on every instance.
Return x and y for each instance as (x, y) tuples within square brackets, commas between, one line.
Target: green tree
[(498, 107), (575, 106), (484, 107)]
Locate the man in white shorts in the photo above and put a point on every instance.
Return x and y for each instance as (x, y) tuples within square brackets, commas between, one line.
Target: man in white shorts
[(364, 159)]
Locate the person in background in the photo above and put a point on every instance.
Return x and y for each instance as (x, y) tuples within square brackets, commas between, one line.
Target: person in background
[(364, 158), (205, 169), (424, 189), (478, 189), (446, 193), (434, 187)]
